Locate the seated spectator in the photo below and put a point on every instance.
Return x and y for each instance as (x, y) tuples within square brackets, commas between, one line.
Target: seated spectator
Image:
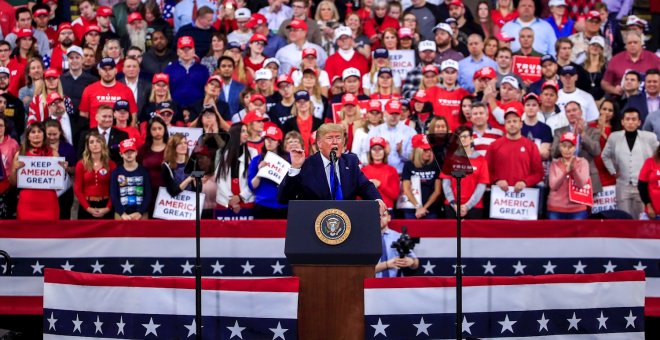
[(231, 174), (425, 171), (649, 185), (473, 186), (383, 176), (130, 186), (265, 190), (34, 143), (175, 180), (566, 171), (92, 179), (57, 141), (391, 263)]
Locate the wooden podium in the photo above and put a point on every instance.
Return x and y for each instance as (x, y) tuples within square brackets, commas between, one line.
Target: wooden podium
[(332, 246)]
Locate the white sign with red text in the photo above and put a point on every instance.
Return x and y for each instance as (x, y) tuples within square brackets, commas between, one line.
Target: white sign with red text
[(605, 200), (402, 62), (276, 168), (416, 187), (192, 135), (179, 207), (41, 173), (511, 205)]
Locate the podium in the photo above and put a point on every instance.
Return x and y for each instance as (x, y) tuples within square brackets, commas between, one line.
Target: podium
[(332, 247)]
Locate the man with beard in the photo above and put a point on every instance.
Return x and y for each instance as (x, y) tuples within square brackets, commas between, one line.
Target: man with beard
[(120, 13), (200, 30), (65, 38), (427, 50), (105, 92), (443, 39), (159, 55), (457, 11), (89, 61), (87, 18), (14, 109), (76, 80), (137, 32)]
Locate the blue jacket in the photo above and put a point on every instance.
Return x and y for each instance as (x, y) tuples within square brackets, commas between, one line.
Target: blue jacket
[(234, 103), (312, 184), (266, 193), (187, 86), (566, 31), (637, 101)]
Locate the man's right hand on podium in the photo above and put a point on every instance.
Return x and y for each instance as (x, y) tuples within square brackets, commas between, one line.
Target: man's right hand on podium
[(297, 158)]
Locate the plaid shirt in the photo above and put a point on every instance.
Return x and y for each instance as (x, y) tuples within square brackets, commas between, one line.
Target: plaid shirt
[(412, 81)]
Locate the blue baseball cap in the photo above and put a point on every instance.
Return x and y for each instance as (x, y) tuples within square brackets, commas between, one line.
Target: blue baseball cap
[(301, 95), (107, 61)]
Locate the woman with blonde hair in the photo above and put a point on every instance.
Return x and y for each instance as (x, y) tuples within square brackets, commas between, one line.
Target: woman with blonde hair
[(38, 110), (385, 88), (503, 13), (235, 52), (309, 62), (92, 180), (175, 179), (302, 119), (310, 83), (374, 118), (381, 58), (112, 48), (422, 169), (327, 17), (349, 117), (160, 92), (594, 67)]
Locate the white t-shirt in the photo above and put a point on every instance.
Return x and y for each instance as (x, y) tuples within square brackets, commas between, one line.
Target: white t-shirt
[(586, 100)]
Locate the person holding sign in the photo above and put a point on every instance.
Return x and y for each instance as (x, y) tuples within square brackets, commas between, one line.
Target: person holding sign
[(567, 173), (426, 170), (265, 189), (130, 186), (231, 174), (35, 204), (92, 180), (175, 179)]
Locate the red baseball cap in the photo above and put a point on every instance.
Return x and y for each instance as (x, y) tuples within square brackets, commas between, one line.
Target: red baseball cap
[(64, 26), (53, 97), (297, 23), (551, 84), (256, 19), (513, 107), (41, 11), (258, 37), (104, 11), (420, 141), (377, 141), (458, 3), (531, 95), (23, 33), (127, 145), (349, 99), (164, 77), (273, 132), (485, 72), (284, 79), (216, 78), (134, 16), (254, 116), (93, 28), (593, 15), (568, 137), (421, 96), (309, 51), (375, 105), (51, 73), (430, 68), (256, 96), (393, 107), (185, 41), (502, 36)]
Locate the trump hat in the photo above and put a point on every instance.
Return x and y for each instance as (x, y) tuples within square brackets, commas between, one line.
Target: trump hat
[(420, 141), (53, 97), (513, 107), (273, 132), (568, 137), (127, 145), (164, 77), (377, 141), (297, 23), (393, 107), (255, 116), (184, 42), (349, 99)]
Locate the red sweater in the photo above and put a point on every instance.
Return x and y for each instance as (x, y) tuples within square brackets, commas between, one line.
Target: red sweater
[(470, 182), (92, 183), (335, 64), (390, 183), (514, 161), (447, 103)]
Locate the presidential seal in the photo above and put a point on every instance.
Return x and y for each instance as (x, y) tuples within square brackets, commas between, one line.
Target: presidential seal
[(333, 226)]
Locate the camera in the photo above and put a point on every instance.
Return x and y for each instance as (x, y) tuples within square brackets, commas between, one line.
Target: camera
[(404, 244)]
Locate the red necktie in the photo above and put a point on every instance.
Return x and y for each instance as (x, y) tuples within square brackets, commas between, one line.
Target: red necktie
[(194, 12)]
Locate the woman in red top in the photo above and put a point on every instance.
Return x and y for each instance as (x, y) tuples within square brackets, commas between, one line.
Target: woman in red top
[(35, 204), (26, 47), (504, 13), (151, 154), (378, 23), (303, 120), (254, 57), (604, 125), (473, 186), (649, 185), (382, 175), (92, 181)]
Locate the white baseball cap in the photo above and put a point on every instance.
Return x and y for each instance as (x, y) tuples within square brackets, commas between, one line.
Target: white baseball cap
[(552, 3), (263, 74), (511, 81), (426, 45), (242, 13), (342, 31), (598, 40), (449, 63), (350, 72), (272, 60), (75, 49), (443, 26)]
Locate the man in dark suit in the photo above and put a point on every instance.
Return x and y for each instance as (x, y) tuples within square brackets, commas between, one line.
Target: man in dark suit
[(140, 87), (72, 125), (112, 136), (306, 182), (231, 89), (588, 146)]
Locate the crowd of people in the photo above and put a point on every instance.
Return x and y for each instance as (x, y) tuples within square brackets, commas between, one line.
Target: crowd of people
[(104, 91)]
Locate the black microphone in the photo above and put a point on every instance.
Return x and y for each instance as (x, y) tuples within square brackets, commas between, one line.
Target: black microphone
[(333, 155)]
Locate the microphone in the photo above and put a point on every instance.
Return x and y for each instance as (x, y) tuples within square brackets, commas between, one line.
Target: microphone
[(333, 155)]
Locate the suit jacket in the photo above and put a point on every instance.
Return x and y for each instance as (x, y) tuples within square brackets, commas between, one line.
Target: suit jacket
[(116, 136), (78, 125), (233, 101), (637, 101), (589, 148), (618, 158), (312, 184), (143, 92)]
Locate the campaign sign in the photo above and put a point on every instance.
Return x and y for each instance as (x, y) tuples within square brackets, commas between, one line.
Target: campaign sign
[(402, 61), (512, 205), (364, 106), (605, 200), (41, 173), (416, 187), (528, 68), (584, 195), (276, 168), (192, 135), (229, 214), (179, 207)]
